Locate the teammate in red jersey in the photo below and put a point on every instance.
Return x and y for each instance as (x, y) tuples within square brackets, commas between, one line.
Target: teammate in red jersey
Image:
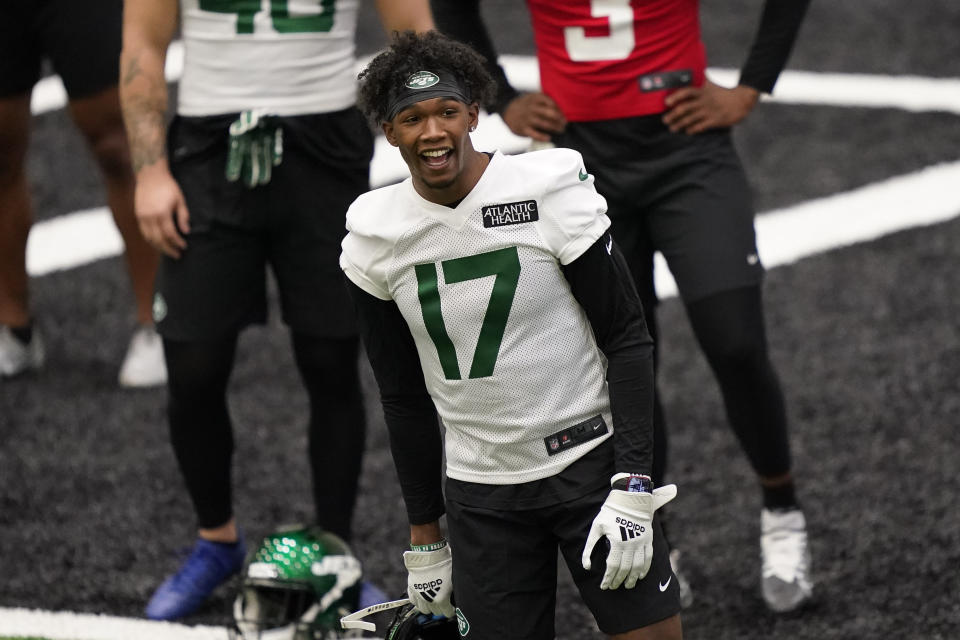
[(624, 84)]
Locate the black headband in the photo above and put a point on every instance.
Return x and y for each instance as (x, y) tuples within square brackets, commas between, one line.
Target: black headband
[(424, 85)]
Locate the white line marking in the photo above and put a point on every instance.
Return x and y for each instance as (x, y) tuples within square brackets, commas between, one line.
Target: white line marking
[(66, 625), (62, 625), (917, 199), (72, 240), (784, 235), (911, 93)]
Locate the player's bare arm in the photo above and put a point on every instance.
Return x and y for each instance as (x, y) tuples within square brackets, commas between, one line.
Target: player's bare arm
[(694, 110), (148, 28), (401, 15), (534, 115)]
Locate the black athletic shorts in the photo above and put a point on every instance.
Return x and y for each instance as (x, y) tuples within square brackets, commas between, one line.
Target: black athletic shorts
[(294, 224), (505, 567), (80, 37), (686, 196)]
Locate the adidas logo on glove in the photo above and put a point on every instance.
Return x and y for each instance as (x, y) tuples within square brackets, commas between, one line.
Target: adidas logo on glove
[(629, 529)]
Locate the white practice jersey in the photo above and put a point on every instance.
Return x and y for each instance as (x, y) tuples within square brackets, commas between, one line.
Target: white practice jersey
[(508, 354), (288, 57)]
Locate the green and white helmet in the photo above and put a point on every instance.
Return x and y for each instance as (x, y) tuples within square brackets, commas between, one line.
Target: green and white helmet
[(297, 585)]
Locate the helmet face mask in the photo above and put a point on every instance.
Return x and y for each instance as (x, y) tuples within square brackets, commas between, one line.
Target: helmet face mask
[(410, 624), (296, 586)]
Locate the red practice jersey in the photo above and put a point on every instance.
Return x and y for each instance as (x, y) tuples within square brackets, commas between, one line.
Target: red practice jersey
[(606, 59)]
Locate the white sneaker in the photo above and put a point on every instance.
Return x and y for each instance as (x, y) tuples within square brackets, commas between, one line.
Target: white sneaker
[(686, 593), (786, 580), (144, 365), (17, 357)]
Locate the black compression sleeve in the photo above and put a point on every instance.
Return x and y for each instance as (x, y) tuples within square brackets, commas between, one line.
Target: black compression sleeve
[(461, 20), (600, 281), (771, 47), (407, 408)]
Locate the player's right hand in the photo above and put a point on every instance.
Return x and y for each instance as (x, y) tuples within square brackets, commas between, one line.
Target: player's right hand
[(161, 209), (534, 115), (430, 580)]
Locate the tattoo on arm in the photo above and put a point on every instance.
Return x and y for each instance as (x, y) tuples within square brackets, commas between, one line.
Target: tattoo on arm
[(144, 102), (132, 71)]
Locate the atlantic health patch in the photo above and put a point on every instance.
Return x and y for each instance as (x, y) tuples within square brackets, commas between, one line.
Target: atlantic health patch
[(500, 215)]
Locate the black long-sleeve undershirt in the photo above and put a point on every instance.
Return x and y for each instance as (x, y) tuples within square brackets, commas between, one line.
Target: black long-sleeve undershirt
[(773, 42), (462, 21), (600, 282)]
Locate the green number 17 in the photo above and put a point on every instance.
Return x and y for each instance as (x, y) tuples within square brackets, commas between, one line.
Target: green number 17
[(283, 22), (505, 265)]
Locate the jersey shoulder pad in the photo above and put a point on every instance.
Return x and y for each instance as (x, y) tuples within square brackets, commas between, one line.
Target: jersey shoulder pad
[(574, 214), (375, 221)]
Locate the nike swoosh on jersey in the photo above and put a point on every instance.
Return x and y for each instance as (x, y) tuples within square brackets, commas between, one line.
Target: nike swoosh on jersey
[(664, 585)]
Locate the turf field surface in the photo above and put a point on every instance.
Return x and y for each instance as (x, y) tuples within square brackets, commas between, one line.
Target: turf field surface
[(866, 339)]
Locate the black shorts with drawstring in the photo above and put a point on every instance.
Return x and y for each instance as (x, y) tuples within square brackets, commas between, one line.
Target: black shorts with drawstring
[(294, 224)]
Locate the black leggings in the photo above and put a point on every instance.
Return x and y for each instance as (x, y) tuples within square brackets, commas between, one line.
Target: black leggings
[(202, 434), (730, 330)]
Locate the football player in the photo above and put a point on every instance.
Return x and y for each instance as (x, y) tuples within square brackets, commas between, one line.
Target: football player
[(82, 40), (490, 291), (266, 151), (624, 84)]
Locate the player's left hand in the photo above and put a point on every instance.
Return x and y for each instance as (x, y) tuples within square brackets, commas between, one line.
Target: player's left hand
[(696, 109), (625, 519), (430, 580)]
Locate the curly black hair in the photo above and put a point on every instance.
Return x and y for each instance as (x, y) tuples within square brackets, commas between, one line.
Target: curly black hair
[(410, 52)]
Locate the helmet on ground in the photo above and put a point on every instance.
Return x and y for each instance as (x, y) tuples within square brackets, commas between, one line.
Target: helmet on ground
[(410, 624), (296, 585)]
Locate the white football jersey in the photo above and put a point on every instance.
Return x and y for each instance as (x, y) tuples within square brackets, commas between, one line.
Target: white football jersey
[(289, 57), (508, 354)]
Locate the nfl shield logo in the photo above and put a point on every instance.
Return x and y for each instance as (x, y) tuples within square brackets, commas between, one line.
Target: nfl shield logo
[(554, 443)]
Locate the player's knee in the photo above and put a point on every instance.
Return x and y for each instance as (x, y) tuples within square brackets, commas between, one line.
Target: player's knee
[(112, 152), (738, 354), (12, 157)]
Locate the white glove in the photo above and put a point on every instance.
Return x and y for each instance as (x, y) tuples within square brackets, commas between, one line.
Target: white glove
[(430, 580), (625, 519)]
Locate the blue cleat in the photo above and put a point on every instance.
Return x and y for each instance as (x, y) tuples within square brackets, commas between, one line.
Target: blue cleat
[(208, 566), (371, 594)]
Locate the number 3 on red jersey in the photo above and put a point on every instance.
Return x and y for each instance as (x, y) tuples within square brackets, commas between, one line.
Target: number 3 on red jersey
[(616, 46)]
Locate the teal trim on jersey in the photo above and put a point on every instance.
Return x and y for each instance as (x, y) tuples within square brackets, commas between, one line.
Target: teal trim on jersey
[(502, 263), (429, 296)]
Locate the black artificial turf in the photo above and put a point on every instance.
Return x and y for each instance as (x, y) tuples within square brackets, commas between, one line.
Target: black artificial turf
[(866, 339)]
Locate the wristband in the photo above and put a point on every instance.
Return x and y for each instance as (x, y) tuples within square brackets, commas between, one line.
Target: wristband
[(632, 483), (433, 546)]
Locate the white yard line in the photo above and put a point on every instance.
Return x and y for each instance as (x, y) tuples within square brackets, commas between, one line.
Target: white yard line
[(784, 235), (919, 198), (911, 93), (63, 625)]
